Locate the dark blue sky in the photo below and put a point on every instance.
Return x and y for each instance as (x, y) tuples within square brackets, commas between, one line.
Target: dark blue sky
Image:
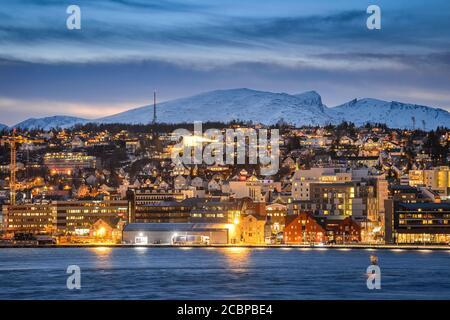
[(128, 48)]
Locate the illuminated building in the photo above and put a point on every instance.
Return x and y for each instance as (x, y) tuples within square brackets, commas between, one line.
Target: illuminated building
[(417, 223), (404, 193), (151, 195), (253, 229), (247, 187), (107, 230), (68, 162), (77, 217), (276, 213), (29, 218), (62, 217), (303, 228), (141, 200), (176, 233), (303, 178), (132, 145), (215, 211), (337, 193), (163, 211), (341, 231), (437, 179), (339, 200)]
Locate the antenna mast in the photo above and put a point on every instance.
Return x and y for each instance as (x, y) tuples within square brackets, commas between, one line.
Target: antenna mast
[(154, 107)]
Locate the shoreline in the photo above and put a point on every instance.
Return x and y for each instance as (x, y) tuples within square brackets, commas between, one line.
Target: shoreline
[(282, 247)]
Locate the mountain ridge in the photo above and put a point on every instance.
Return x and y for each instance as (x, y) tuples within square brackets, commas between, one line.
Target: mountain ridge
[(47, 123), (265, 107)]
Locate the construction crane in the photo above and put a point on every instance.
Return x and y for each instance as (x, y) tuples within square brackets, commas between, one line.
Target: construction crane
[(13, 140)]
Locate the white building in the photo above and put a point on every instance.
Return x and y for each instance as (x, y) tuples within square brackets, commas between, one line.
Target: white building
[(303, 178), (437, 179)]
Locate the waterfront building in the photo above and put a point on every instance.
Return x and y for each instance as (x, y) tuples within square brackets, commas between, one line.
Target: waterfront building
[(29, 218), (163, 211), (253, 229), (62, 217), (107, 230), (338, 193), (417, 223), (140, 199), (211, 211), (77, 217), (306, 228), (177, 233), (303, 228), (341, 231), (276, 213), (340, 200)]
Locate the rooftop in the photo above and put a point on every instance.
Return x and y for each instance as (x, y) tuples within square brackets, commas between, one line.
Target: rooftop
[(174, 227)]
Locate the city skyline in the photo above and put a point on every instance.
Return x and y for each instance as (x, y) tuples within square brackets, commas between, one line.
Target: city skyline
[(126, 49), (194, 151)]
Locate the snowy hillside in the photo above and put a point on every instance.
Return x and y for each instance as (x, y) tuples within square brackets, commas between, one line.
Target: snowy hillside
[(48, 123), (393, 114), (227, 105), (267, 108), (313, 99), (3, 126)]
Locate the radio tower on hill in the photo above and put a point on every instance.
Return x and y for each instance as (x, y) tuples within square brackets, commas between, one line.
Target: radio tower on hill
[(154, 107)]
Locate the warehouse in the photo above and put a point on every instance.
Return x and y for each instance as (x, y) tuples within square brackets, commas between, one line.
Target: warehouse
[(176, 233)]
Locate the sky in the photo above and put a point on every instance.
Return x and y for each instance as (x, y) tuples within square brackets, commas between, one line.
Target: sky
[(126, 49)]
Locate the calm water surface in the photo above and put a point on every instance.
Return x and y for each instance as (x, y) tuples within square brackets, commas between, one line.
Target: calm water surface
[(222, 273)]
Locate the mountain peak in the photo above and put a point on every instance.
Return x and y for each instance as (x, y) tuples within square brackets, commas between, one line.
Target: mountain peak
[(311, 98), (394, 114)]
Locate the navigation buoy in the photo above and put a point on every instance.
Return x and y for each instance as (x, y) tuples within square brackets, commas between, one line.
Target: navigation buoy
[(374, 259)]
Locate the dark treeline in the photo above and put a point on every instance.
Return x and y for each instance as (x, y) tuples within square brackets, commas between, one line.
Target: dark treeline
[(344, 127), (157, 127)]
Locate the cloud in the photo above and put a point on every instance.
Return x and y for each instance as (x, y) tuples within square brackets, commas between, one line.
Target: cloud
[(139, 30), (27, 108)]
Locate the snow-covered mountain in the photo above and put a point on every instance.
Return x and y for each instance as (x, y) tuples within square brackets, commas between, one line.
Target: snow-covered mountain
[(234, 104), (311, 98), (393, 114), (267, 108), (48, 123), (3, 126)]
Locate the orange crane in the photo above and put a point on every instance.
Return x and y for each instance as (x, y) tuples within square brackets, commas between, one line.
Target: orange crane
[(13, 140)]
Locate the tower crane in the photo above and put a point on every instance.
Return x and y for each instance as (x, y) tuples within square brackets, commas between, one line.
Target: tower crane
[(13, 140)]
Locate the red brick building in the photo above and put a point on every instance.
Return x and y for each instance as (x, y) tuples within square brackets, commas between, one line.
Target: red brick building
[(303, 229), (342, 231)]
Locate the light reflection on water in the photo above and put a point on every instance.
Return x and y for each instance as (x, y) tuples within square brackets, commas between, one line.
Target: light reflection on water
[(222, 273), (101, 250)]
